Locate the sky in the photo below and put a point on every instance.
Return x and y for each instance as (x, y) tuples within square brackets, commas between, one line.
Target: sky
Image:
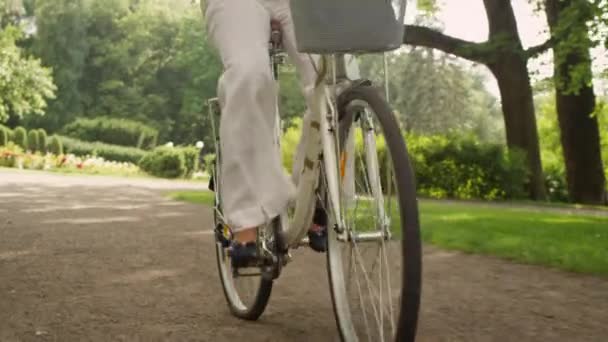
[(466, 19)]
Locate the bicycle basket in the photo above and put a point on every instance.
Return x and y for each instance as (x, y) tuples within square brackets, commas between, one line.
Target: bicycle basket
[(347, 26)]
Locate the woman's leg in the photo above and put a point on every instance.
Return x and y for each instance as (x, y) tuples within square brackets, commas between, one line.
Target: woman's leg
[(254, 186)]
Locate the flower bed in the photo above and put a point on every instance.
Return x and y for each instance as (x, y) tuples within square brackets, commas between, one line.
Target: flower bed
[(14, 156)]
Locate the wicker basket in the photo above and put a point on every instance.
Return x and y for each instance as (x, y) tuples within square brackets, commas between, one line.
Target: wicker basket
[(347, 26)]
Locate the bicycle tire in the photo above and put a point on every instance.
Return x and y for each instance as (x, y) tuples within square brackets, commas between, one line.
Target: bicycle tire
[(250, 312), (409, 303)]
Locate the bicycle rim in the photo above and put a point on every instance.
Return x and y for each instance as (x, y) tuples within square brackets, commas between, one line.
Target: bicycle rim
[(375, 273), (247, 292)]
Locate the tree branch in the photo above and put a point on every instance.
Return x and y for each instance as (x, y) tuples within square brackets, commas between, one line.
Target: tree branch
[(534, 51), (424, 36)]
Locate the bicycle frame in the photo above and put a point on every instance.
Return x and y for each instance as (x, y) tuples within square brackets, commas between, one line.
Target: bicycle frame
[(321, 147)]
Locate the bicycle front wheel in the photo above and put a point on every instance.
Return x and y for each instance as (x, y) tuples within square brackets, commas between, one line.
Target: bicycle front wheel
[(374, 265)]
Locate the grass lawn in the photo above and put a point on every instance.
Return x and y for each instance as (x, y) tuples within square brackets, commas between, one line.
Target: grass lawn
[(573, 242), (197, 197)]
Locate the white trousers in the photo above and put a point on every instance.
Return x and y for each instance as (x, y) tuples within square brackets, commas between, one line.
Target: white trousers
[(254, 186)]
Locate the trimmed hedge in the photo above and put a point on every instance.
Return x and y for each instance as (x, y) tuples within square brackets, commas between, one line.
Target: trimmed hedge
[(171, 162), (190, 158), (42, 140), (33, 141), (113, 131), (55, 145), (20, 137), (106, 151), (4, 136), (458, 166), (166, 162), (454, 166)]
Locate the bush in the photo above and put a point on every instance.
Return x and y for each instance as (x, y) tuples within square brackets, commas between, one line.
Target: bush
[(113, 131), (42, 140), (458, 166), (32, 141), (3, 136), (55, 145), (20, 137), (209, 161), (454, 166), (190, 159), (106, 151), (9, 154), (164, 162)]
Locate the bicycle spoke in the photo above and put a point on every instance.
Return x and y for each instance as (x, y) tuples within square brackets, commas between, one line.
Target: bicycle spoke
[(371, 269), (367, 329)]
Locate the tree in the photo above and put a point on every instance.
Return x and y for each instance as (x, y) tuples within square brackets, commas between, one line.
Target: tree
[(61, 44), (433, 93), (25, 85), (196, 69), (10, 12), (506, 58), (141, 60), (575, 99)]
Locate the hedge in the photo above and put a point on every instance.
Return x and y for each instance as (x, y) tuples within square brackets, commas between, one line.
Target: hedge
[(166, 162), (106, 151), (4, 136), (190, 158), (454, 166), (33, 142), (20, 137), (171, 162), (459, 166), (55, 146), (113, 131), (42, 140)]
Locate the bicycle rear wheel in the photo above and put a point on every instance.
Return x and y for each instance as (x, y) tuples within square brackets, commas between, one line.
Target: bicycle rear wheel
[(374, 266), (248, 290)]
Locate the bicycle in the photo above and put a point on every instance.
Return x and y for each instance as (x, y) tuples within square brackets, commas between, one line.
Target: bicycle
[(348, 119)]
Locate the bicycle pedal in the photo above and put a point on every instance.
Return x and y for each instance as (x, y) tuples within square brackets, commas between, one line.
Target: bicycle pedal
[(220, 234)]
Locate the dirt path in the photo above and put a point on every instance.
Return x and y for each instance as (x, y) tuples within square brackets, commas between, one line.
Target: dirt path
[(104, 259)]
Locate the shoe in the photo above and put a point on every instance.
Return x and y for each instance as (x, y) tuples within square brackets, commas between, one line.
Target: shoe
[(243, 255), (317, 235)]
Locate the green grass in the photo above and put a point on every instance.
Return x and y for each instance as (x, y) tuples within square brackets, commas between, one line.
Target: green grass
[(576, 243), (197, 197), (572, 242)]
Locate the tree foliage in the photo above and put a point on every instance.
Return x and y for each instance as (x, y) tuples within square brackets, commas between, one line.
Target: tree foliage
[(61, 43), (25, 86), (143, 60), (434, 93)]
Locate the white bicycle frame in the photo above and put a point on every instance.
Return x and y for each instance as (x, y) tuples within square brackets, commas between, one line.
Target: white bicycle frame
[(321, 140)]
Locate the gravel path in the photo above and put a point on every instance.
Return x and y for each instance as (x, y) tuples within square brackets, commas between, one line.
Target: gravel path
[(111, 259)]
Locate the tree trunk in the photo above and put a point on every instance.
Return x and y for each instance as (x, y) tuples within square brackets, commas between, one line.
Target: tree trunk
[(520, 122), (575, 104), (581, 147), (505, 56)]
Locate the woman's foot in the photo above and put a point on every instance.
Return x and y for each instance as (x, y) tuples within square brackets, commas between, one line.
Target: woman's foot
[(317, 238), (317, 234), (243, 252)]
